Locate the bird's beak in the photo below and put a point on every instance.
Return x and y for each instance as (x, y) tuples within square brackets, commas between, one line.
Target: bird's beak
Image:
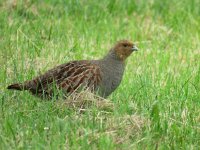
[(134, 48)]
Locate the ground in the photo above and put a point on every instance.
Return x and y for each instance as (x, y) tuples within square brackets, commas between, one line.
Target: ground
[(157, 105)]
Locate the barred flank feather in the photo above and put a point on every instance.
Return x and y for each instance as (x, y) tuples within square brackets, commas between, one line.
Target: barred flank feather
[(16, 86)]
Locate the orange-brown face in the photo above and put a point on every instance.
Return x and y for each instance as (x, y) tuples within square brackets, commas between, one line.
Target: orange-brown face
[(124, 48)]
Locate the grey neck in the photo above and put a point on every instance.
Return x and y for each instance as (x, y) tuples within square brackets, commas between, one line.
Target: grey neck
[(111, 63), (112, 56)]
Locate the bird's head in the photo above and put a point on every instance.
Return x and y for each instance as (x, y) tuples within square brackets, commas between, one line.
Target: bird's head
[(123, 49)]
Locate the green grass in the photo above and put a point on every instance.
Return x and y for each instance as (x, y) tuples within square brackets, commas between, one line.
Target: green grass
[(161, 82)]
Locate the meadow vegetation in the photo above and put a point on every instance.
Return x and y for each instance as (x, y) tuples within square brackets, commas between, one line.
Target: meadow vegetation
[(157, 105)]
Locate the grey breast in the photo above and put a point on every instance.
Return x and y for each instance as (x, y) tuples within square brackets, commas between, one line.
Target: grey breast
[(112, 73)]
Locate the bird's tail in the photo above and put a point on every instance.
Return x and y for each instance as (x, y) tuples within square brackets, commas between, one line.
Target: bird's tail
[(16, 86)]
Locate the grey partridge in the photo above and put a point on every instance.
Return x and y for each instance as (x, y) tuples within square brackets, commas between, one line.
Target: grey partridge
[(101, 76)]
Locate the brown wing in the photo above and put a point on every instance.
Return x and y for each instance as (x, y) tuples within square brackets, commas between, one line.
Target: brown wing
[(84, 75), (67, 77)]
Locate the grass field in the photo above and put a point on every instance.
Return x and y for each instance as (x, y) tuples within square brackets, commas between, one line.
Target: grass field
[(157, 105)]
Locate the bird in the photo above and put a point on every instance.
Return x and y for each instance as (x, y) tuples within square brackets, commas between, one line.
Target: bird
[(100, 76)]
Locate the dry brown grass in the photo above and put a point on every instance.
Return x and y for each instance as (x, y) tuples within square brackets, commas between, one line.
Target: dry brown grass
[(84, 100), (119, 129)]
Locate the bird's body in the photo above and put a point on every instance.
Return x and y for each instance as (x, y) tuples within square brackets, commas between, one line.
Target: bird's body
[(102, 76)]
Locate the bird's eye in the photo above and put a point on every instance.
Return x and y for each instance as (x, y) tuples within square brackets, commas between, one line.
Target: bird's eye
[(125, 45)]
